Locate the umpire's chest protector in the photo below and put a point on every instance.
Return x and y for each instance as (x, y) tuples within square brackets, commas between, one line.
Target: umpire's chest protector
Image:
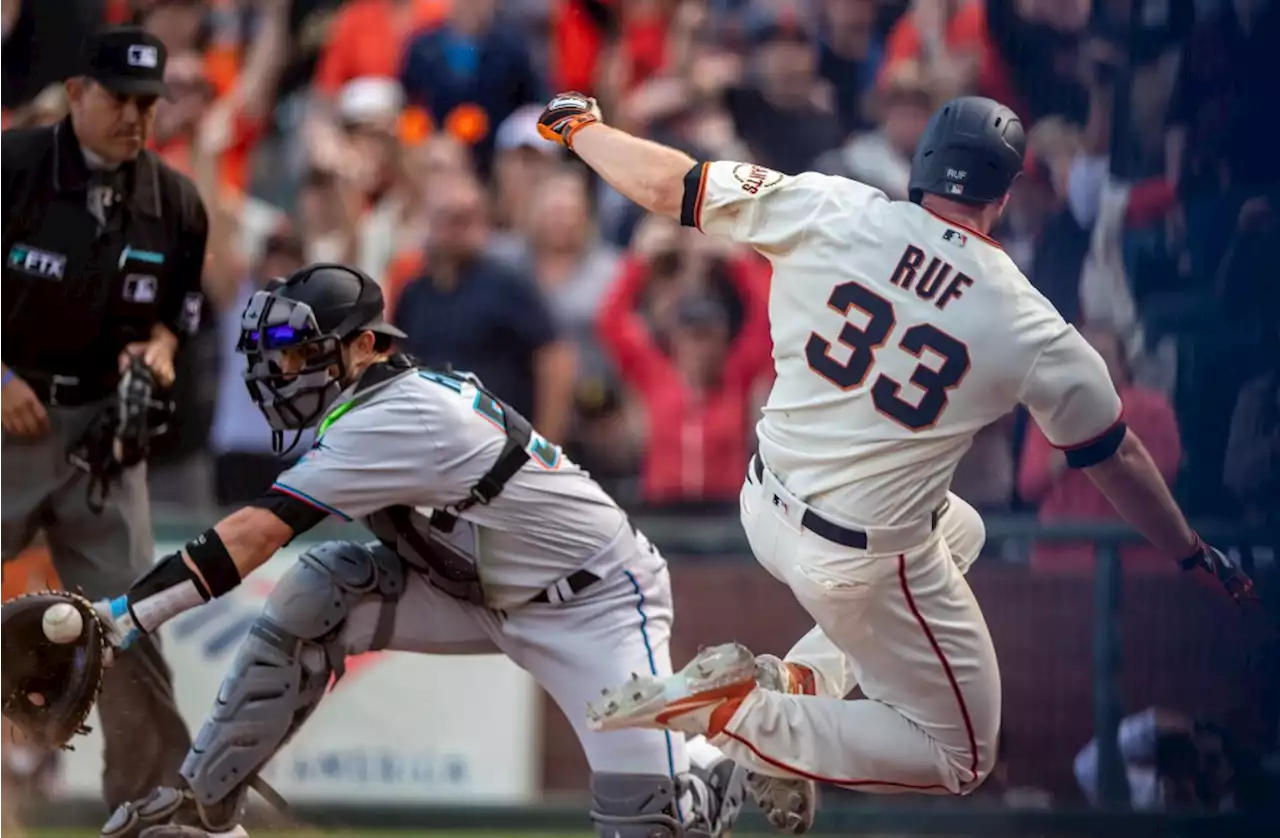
[(74, 285)]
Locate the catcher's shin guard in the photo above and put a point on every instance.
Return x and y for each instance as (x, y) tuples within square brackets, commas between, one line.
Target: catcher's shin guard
[(282, 669)]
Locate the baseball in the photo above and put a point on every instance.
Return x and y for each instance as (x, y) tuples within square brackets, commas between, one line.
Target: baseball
[(62, 623)]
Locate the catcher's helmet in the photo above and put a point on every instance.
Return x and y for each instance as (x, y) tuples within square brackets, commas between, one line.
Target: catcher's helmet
[(315, 310), (971, 151)]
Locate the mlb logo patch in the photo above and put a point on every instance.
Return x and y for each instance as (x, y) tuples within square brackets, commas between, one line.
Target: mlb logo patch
[(143, 55), (140, 288), (955, 188), (956, 237)]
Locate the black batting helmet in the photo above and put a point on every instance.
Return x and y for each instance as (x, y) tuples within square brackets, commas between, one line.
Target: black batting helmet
[(971, 151)]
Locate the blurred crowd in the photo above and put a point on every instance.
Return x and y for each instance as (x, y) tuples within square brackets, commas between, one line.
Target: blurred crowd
[(399, 135)]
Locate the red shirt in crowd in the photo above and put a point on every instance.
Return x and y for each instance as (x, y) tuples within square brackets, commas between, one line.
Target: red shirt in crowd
[(698, 440), (578, 41), (1071, 496)]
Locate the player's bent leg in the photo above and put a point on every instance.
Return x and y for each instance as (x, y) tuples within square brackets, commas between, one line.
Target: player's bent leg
[(278, 678)]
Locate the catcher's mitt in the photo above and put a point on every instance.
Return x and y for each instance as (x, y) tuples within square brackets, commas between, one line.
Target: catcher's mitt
[(49, 688)]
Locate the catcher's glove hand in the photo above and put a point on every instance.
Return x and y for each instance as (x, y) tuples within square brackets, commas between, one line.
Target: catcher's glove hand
[(50, 687), (1223, 571), (566, 115)]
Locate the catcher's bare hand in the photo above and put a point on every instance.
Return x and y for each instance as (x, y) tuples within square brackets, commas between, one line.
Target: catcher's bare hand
[(567, 114)]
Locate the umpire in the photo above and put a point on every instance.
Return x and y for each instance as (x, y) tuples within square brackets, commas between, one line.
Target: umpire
[(103, 246)]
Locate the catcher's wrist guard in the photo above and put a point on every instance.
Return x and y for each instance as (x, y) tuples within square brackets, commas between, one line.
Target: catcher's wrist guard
[(566, 115), (49, 688)]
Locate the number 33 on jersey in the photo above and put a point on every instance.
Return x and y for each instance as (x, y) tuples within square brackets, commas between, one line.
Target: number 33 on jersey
[(890, 324)]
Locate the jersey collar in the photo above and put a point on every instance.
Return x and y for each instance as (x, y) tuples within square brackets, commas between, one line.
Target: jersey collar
[(373, 378), (71, 171)]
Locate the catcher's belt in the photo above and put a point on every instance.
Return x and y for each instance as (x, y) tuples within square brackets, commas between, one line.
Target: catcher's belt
[(49, 688), (120, 436)]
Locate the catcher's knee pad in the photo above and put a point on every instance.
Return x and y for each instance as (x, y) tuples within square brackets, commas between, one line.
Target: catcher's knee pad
[(637, 806), (282, 669)]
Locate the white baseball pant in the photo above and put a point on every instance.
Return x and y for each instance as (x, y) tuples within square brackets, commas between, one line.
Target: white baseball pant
[(899, 620)]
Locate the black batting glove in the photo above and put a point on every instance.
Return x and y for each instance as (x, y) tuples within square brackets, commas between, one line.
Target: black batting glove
[(1221, 570)]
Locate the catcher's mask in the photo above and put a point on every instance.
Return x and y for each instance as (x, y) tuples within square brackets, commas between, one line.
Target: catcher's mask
[(120, 436), (309, 315)]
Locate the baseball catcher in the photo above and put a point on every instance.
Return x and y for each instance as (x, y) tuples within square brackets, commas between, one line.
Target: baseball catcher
[(487, 539)]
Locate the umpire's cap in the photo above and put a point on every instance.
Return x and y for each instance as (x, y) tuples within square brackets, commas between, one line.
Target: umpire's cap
[(971, 151), (344, 300), (125, 59)]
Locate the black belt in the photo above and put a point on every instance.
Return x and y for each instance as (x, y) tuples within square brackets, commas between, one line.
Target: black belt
[(577, 582), (65, 390), (815, 523)]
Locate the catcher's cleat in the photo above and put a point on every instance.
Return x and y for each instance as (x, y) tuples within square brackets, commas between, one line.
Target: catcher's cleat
[(173, 830), (727, 782), (789, 803), (701, 698), (168, 813)]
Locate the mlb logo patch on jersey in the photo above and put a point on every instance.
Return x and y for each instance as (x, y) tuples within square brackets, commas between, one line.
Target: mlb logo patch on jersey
[(956, 237), (140, 288)]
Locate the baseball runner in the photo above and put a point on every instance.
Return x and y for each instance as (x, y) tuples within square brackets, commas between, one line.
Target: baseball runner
[(899, 330), (489, 540)]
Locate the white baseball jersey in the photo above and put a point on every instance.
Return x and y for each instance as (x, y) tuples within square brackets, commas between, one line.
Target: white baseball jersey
[(423, 440), (897, 335)]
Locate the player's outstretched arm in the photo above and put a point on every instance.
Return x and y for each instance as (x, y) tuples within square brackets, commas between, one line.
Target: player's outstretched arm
[(1132, 483), (1070, 393), (208, 567), (648, 173)]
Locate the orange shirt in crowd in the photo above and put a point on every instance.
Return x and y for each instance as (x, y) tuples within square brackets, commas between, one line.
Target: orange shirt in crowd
[(368, 37), (404, 268), (236, 163), (966, 35), (1071, 496)]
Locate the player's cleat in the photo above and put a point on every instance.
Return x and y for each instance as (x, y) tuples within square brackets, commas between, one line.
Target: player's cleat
[(773, 673), (701, 698), (727, 783), (789, 803)]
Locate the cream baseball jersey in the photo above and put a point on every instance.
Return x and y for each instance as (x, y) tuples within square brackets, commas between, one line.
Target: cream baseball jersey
[(897, 335), (422, 440)]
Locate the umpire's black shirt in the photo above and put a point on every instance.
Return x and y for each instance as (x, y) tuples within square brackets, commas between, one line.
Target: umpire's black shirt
[(76, 290)]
